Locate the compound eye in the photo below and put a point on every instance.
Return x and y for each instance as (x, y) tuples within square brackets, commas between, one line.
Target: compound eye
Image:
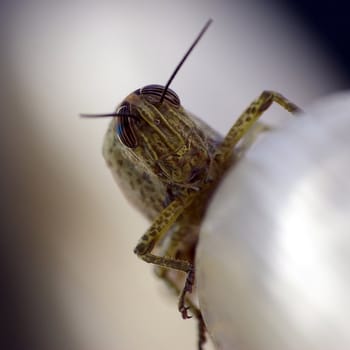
[(126, 126), (155, 92)]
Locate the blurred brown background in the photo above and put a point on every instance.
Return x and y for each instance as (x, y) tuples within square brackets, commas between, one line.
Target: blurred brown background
[(69, 278)]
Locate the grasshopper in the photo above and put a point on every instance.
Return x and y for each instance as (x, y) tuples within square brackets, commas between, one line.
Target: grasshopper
[(168, 163)]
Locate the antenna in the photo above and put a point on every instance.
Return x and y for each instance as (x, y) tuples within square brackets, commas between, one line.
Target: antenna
[(199, 36), (107, 115), (98, 115), (185, 57)]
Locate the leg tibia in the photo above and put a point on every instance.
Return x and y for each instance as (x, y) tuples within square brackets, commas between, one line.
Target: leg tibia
[(249, 117)]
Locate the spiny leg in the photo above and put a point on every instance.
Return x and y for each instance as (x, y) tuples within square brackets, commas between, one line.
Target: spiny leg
[(249, 117), (183, 240), (159, 227), (157, 230), (162, 273)]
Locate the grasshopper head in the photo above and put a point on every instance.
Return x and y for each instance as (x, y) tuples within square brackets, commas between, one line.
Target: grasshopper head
[(162, 136), (151, 127)]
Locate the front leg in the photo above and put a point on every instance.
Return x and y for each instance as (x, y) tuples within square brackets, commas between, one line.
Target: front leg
[(202, 331), (160, 226)]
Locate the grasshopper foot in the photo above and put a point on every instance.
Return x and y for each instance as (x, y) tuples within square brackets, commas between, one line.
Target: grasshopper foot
[(187, 289)]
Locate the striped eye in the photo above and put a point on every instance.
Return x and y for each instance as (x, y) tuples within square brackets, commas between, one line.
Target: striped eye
[(155, 92), (126, 126)]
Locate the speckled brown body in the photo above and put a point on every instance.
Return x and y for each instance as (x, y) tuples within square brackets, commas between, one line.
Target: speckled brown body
[(144, 183), (168, 162), (179, 140)]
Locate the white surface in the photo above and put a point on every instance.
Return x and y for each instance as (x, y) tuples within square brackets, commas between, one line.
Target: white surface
[(273, 262)]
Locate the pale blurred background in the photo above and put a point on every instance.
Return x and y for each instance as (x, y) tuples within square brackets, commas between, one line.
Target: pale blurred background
[(69, 277)]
